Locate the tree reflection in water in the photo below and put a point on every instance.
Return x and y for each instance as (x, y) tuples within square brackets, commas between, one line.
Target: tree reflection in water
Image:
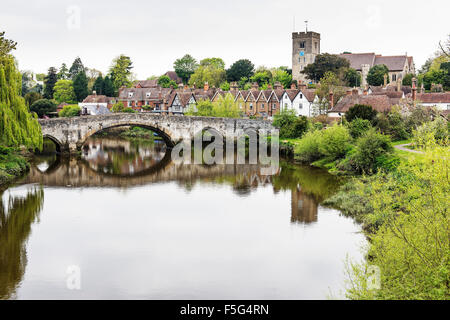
[(16, 219)]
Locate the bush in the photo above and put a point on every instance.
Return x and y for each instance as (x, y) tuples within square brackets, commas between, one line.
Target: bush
[(129, 110), (70, 110), (290, 125), (369, 150), (335, 142), (358, 127), (431, 133), (43, 107), (117, 107), (360, 111), (393, 124), (307, 150)]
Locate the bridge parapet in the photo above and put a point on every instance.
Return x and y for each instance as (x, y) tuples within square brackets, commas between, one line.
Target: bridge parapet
[(71, 133)]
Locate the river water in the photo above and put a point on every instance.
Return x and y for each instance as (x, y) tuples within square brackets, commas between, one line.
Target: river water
[(125, 222)]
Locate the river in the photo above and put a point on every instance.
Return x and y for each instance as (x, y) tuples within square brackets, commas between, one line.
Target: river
[(124, 222)]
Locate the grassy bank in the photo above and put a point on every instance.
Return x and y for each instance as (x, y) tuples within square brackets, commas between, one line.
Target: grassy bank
[(12, 165)]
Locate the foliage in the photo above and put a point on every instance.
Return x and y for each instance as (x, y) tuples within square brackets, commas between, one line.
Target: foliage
[(31, 97), (329, 82), (335, 142), (211, 70), (408, 210), (99, 85), (43, 107), (17, 126), (282, 76), (325, 63), (360, 111), (12, 165), (308, 148), (369, 148), (129, 110), (224, 107), (49, 83), (185, 67), (240, 69), (166, 82), (225, 86), (108, 87), (407, 79), (70, 110), (64, 91), (290, 125), (63, 73), (117, 107), (376, 74), (352, 78), (431, 133), (358, 127), (120, 72), (80, 86), (6, 45), (76, 68), (393, 124)]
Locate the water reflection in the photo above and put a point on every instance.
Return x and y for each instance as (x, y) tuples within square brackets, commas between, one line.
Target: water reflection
[(142, 223), (16, 218)]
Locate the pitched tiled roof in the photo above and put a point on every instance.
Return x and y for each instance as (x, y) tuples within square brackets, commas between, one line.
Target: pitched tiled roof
[(310, 94), (292, 93), (173, 76), (394, 63), (380, 103), (140, 94), (358, 59), (434, 97), (147, 84), (93, 98), (279, 93), (390, 94)]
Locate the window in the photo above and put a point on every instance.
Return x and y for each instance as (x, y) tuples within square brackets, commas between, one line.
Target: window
[(315, 45), (130, 94), (301, 95), (148, 94), (302, 44), (285, 105), (262, 106), (240, 105), (251, 106), (394, 77), (130, 103), (274, 106), (300, 106), (448, 107)]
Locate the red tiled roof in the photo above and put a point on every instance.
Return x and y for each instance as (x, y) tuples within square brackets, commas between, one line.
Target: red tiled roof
[(380, 103), (434, 97)]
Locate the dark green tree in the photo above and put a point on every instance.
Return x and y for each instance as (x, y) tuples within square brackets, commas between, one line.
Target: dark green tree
[(108, 88), (63, 73), (352, 78), (445, 66), (239, 69), (375, 77), (31, 97), (166, 82), (360, 111), (49, 83), (76, 68), (325, 63), (43, 107), (120, 72), (407, 79), (185, 67), (80, 86), (99, 85), (6, 45)]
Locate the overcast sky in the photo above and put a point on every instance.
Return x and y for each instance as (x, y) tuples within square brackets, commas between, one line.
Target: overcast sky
[(155, 33)]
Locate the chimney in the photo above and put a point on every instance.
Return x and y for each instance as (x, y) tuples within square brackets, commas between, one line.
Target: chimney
[(186, 87), (385, 80), (414, 90), (348, 92), (302, 86), (269, 86), (365, 92), (94, 93), (206, 86), (355, 92), (277, 85), (293, 86), (331, 99)]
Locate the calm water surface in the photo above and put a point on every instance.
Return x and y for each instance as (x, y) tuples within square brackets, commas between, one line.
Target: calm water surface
[(139, 226)]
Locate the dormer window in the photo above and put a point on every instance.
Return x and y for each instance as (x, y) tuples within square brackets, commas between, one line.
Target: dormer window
[(147, 95), (130, 94)]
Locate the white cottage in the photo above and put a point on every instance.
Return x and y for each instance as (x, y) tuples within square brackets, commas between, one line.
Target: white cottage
[(301, 101)]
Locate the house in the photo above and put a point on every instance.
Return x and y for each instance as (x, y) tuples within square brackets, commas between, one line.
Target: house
[(173, 76), (440, 100), (380, 103), (180, 102), (96, 104), (398, 66), (147, 84), (148, 99), (299, 100)]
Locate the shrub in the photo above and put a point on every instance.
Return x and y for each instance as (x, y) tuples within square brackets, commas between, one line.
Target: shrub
[(335, 142), (393, 124), (70, 110), (290, 125), (431, 133), (129, 110), (369, 148), (358, 127), (43, 107), (360, 111), (307, 150), (117, 107)]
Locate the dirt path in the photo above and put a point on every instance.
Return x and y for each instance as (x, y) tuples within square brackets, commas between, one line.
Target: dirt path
[(403, 148)]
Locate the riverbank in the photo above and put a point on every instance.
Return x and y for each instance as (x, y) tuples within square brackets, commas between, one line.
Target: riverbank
[(12, 165)]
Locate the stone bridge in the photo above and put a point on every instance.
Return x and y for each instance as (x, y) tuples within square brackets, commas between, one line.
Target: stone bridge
[(69, 134)]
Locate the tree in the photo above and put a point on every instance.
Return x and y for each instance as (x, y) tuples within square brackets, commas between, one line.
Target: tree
[(407, 79), (239, 69), (31, 97), (325, 63), (352, 78), (49, 83), (17, 125), (211, 70), (120, 72), (329, 82), (76, 68), (99, 85), (290, 125), (108, 88), (6, 45), (117, 107), (43, 107), (185, 67), (360, 111), (64, 91), (282, 76), (63, 73), (445, 67), (80, 86), (166, 82), (376, 74)]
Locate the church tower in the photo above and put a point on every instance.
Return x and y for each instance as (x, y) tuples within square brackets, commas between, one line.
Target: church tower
[(305, 48)]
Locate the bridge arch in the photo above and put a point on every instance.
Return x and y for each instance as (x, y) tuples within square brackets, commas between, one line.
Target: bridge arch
[(57, 143), (162, 132)]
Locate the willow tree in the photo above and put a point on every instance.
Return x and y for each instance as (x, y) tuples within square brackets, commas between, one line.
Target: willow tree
[(17, 125)]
